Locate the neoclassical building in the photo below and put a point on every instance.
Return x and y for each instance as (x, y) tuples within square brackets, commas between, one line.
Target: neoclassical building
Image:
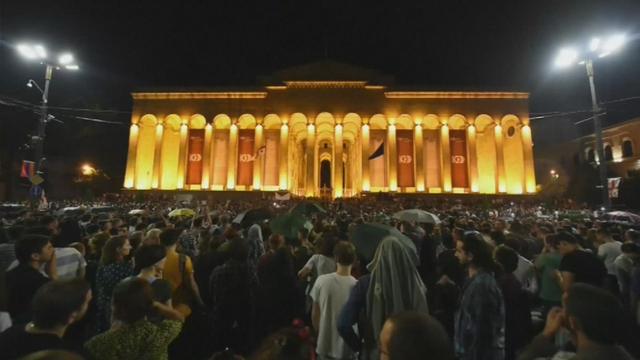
[(331, 128)]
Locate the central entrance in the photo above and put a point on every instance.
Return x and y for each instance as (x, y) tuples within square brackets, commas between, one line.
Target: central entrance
[(325, 174)]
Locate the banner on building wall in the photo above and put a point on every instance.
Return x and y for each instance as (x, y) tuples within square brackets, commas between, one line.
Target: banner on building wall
[(272, 141), (405, 158), (246, 157), (459, 163), (194, 159), (432, 158), (220, 157)]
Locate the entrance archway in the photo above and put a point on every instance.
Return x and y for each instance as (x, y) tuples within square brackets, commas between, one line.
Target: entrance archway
[(325, 175)]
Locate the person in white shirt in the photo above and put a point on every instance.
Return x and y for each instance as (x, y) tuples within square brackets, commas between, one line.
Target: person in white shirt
[(608, 251), (329, 294)]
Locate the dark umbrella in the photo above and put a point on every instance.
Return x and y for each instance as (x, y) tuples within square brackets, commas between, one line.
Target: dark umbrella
[(366, 238), (307, 208), (252, 216), (288, 225)]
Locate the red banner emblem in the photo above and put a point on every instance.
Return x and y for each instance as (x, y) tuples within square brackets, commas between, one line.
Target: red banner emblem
[(457, 159)]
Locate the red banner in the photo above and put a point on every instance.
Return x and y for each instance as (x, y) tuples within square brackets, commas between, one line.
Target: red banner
[(246, 157), (458, 143), (194, 161), (405, 158)]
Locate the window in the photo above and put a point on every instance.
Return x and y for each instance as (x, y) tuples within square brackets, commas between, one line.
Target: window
[(627, 148), (608, 153), (511, 131), (591, 155)]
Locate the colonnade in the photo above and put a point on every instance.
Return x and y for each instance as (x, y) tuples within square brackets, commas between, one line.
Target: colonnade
[(457, 153)]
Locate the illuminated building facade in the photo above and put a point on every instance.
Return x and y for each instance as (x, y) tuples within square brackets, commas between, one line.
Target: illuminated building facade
[(331, 128)]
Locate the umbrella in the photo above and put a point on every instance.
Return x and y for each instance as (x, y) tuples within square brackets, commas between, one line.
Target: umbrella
[(288, 225), (366, 238), (417, 215), (252, 216), (182, 212), (623, 216), (307, 208), (136, 212)]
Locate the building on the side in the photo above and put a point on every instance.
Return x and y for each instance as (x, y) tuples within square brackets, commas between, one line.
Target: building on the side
[(331, 128), (620, 143)]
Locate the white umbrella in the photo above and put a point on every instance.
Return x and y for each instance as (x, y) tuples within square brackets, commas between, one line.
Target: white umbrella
[(417, 215)]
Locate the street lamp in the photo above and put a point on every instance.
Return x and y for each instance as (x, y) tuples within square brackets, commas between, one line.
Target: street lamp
[(37, 52), (598, 48)]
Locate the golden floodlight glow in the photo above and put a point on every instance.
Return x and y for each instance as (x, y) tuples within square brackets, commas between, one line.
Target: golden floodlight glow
[(292, 136), (88, 170)]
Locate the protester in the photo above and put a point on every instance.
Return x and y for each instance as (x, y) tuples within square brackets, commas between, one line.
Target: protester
[(56, 305), (329, 294), (414, 336), (233, 300), (394, 285), (518, 325), (178, 270), (595, 319), (480, 322), (577, 265), (113, 268), (132, 335), (149, 262), (608, 252), (547, 264), (32, 252)]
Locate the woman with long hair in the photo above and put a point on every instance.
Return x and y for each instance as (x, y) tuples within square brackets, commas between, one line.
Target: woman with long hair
[(113, 268)]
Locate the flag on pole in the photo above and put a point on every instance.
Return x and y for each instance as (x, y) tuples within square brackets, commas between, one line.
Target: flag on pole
[(260, 151), (28, 169), (613, 186), (379, 152)]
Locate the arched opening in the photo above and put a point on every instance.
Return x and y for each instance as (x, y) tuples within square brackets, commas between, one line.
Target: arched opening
[(608, 152), (591, 155), (325, 176), (627, 148)]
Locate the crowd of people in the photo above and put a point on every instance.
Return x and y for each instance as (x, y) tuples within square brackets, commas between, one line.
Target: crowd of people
[(491, 279)]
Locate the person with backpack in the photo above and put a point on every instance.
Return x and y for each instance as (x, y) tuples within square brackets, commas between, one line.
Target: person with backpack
[(178, 270)]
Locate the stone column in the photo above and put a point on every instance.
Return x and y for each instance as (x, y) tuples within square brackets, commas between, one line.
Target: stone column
[(182, 155), (157, 161), (129, 176), (259, 160), (337, 162), (418, 156), (207, 168), (529, 170), (446, 158), (233, 156), (502, 179), (310, 152), (364, 143), (284, 155), (392, 159), (472, 156)]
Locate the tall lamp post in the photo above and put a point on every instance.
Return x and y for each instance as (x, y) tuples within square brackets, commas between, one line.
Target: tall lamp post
[(597, 49), (66, 61)]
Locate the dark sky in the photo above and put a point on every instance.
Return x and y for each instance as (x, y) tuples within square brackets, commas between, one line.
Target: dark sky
[(123, 45)]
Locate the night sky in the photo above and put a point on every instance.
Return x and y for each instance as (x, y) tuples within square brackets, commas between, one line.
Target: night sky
[(125, 45)]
